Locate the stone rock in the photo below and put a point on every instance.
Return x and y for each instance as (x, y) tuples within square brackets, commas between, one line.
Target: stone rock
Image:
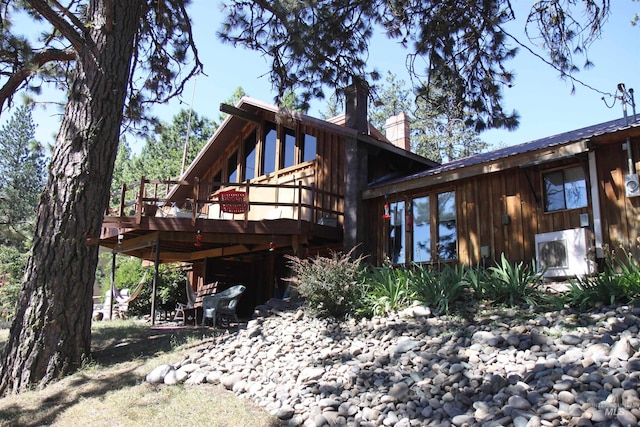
[(571, 339), (408, 370), (310, 374), (621, 349), (156, 376), (405, 346), (285, 412), (228, 381)]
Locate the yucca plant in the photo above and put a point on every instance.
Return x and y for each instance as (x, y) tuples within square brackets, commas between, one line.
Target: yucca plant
[(589, 291), (514, 283), (629, 277), (438, 290), (387, 290)]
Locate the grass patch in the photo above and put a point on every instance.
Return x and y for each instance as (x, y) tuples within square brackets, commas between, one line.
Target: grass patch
[(110, 390)]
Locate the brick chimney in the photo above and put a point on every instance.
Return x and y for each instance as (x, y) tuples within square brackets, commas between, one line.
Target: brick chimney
[(397, 131)]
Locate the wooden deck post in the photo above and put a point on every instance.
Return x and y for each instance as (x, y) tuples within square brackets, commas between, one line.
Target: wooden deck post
[(155, 282), (194, 207), (139, 203)]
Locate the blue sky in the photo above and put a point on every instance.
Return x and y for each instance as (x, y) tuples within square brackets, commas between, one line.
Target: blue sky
[(545, 102)]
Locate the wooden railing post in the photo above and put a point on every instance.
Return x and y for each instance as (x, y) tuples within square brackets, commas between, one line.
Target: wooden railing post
[(122, 198), (300, 205), (140, 197), (246, 204), (196, 193)]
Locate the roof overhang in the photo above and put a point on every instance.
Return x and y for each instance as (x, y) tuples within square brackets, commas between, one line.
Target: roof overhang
[(439, 176)]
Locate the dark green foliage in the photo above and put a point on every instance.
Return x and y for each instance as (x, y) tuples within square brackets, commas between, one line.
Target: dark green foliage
[(12, 264), (438, 290), (618, 282), (332, 286), (514, 283), (22, 168), (171, 286), (459, 50), (387, 289)]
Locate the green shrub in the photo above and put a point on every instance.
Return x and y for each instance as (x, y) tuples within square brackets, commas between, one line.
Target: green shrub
[(12, 265), (387, 289), (170, 288), (438, 290), (619, 282), (629, 277), (590, 291), (477, 279), (332, 286), (514, 284)]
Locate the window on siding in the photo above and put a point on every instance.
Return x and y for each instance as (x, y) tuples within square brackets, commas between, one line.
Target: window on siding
[(447, 228), (232, 168), (434, 231), (289, 148), (308, 148), (270, 144), (396, 233), (250, 156), (565, 189), (421, 213)]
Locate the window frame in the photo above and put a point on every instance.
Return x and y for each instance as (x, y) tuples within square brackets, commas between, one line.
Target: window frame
[(563, 170), (434, 235)]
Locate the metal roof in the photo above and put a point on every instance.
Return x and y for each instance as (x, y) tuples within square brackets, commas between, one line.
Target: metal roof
[(501, 154)]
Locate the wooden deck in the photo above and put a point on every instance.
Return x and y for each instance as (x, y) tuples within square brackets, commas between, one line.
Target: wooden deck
[(290, 219)]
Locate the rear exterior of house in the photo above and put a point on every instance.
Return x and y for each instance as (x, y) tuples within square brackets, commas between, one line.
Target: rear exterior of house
[(562, 201), (269, 183)]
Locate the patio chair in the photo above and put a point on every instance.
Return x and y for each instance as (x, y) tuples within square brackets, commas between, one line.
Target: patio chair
[(222, 304)]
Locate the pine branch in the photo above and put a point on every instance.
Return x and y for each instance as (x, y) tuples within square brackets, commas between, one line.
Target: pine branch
[(29, 69), (60, 24)]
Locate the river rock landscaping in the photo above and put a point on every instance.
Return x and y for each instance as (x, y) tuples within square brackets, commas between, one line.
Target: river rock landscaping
[(496, 368)]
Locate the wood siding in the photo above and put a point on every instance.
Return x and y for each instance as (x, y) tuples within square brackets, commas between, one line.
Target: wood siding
[(504, 210)]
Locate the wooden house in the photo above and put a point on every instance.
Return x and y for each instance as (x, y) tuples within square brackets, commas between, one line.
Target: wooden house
[(268, 183), (562, 200)]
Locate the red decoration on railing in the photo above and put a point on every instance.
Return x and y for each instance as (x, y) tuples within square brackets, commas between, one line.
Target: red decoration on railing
[(198, 242), (236, 197)]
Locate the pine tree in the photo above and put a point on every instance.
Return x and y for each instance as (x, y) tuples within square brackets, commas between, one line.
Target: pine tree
[(22, 166), (97, 51)]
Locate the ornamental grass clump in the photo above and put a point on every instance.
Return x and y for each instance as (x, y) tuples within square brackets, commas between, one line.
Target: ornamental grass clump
[(438, 290), (332, 286), (618, 282), (514, 283), (387, 290)]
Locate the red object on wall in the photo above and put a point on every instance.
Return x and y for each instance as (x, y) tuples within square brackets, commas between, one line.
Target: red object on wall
[(386, 214)]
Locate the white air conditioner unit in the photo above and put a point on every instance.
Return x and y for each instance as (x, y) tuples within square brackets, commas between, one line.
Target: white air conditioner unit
[(632, 185), (565, 253)]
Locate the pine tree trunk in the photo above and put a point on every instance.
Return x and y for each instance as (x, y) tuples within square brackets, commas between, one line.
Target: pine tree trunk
[(51, 334)]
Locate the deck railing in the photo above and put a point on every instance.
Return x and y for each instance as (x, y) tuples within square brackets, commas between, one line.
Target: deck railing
[(224, 200)]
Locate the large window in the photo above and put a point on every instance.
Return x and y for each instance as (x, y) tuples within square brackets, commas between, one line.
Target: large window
[(432, 225), (232, 168), (270, 145), (421, 229), (565, 189), (447, 229), (396, 233), (289, 148), (250, 156), (308, 148)]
